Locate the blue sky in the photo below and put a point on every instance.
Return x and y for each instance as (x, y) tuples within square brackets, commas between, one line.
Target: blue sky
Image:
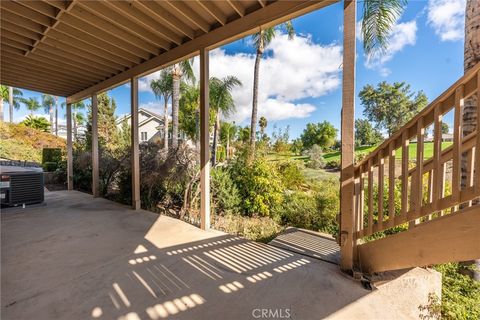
[(301, 79)]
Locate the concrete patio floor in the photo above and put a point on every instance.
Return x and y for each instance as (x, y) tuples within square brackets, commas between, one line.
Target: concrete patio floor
[(76, 257)]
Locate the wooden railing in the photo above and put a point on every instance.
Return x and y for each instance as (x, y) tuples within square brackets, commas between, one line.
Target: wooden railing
[(419, 190)]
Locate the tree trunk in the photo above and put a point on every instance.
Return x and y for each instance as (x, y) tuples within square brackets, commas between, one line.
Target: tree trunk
[(56, 116), (227, 147), (175, 106), (51, 119), (74, 126), (216, 128), (165, 125), (1, 109), (471, 58), (10, 103), (253, 124)]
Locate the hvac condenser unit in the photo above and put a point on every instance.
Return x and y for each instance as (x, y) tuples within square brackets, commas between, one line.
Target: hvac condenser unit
[(21, 187)]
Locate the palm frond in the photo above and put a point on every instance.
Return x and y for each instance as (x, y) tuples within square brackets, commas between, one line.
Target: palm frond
[(379, 18)]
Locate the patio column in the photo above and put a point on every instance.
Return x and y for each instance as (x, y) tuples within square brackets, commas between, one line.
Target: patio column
[(204, 141), (347, 218), (69, 148), (134, 147), (95, 154)]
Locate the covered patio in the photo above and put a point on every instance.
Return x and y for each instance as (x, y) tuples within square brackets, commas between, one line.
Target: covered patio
[(78, 258)]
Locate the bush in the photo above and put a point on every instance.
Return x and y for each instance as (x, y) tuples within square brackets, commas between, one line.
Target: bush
[(50, 166), (258, 182), (300, 209), (327, 195), (221, 154), (225, 195), (333, 164), (291, 174), (256, 229), (460, 296), (51, 155), (316, 160)]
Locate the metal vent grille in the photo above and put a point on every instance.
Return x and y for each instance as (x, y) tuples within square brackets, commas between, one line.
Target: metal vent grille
[(26, 188)]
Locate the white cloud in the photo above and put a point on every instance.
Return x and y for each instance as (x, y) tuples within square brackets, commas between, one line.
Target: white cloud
[(447, 18), (403, 34), (292, 70), (144, 82)]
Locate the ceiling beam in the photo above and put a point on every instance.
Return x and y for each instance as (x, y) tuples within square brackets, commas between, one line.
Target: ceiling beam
[(271, 15), (188, 13), (214, 11)]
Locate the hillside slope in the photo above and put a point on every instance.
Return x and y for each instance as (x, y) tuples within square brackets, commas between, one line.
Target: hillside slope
[(18, 142)]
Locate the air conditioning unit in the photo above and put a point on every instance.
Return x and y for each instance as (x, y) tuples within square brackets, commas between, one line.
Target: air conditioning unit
[(20, 186)]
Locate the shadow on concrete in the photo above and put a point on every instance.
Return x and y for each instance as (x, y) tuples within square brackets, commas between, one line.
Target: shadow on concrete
[(85, 258)]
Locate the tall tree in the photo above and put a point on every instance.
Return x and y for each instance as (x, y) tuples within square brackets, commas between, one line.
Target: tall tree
[(221, 101), (471, 58), (322, 134), (48, 102), (227, 133), (390, 106), (261, 40), (76, 119), (14, 96), (366, 134), (31, 104), (162, 88), (179, 70), (56, 115)]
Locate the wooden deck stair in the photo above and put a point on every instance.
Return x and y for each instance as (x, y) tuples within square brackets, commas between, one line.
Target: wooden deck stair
[(436, 211)]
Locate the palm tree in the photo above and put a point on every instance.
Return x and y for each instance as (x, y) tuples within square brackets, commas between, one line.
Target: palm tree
[(48, 102), (262, 123), (13, 95), (221, 100), (262, 39), (471, 58), (31, 104), (56, 115), (162, 88), (38, 123), (228, 131), (183, 68), (77, 117)]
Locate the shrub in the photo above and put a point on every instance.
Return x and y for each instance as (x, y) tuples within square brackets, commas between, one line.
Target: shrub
[(333, 164), (299, 209), (316, 158), (291, 174), (253, 228), (50, 166), (51, 155), (258, 182), (221, 154), (327, 195), (225, 195), (460, 296)]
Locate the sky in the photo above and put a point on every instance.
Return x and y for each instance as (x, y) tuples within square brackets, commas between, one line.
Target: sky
[(300, 79)]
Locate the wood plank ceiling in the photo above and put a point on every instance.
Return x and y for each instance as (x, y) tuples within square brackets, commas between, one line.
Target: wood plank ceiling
[(63, 47)]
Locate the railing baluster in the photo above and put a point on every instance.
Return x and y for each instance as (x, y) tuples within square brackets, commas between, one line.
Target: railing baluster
[(362, 198), (405, 144), (470, 164), (381, 177), (370, 196), (477, 148), (442, 173), (391, 182), (430, 191), (417, 180), (457, 143), (438, 176)]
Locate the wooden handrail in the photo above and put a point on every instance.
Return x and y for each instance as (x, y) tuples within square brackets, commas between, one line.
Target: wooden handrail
[(415, 201), (445, 101)]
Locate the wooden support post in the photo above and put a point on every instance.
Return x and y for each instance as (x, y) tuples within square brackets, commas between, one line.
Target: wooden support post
[(95, 154), (477, 145), (347, 217), (69, 148), (134, 147), (204, 141)]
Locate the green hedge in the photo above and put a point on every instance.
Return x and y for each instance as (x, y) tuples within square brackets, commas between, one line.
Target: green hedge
[(51, 155)]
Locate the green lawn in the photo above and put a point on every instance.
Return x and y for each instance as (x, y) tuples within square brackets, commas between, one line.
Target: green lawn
[(412, 153)]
